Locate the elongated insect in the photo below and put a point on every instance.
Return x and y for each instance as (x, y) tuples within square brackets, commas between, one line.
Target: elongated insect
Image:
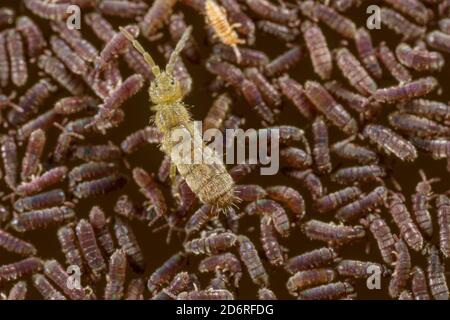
[(45, 288), (284, 61), (211, 244), (210, 294), (138, 139), (54, 271), (326, 104), (436, 275), (367, 53), (41, 219), (100, 152), (294, 92), (33, 153), (250, 192), (9, 156), (417, 125), (383, 236), (290, 198), (438, 148), (356, 101), (4, 62), (402, 270), (399, 24), (128, 242), (309, 181), (91, 171), (21, 268), (162, 275), (33, 36), (47, 179), (100, 26), (419, 284), (227, 72), (439, 41), (100, 225), (443, 214), (433, 110), (275, 211), (336, 199), (250, 257), (334, 234), (329, 291), (48, 10), (67, 240), (390, 142), (19, 70), (115, 280), (359, 174), (181, 282), (218, 112), (13, 244), (318, 49), (359, 269), (321, 151), (270, 94), (18, 291), (42, 200), (387, 58), (99, 186), (309, 278), (362, 206), (269, 242), (266, 10), (254, 98), (156, 16), (402, 218), (226, 263), (413, 8), (309, 260), (72, 61), (419, 59), (414, 89), (420, 204), (216, 18), (210, 182), (135, 289), (279, 31), (122, 9), (44, 121), (352, 69)]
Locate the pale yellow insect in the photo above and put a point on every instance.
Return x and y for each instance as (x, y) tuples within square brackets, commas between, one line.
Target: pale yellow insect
[(216, 17), (209, 179)]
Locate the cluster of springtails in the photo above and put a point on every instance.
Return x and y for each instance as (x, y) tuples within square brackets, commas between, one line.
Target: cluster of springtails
[(361, 151)]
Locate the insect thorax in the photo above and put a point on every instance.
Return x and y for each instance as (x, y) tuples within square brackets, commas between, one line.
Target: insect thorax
[(169, 116)]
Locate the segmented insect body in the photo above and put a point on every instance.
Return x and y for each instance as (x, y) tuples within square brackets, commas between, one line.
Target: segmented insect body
[(67, 240), (419, 59), (9, 156), (309, 278), (47, 179), (33, 35), (44, 121), (4, 62), (30, 161), (243, 24), (48, 10), (417, 125), (19, 70), (138, 139), (420, 204), (354, 72), (55, 272), (72, 61), (171, 115), (100, 26), (414, 89), (438, 148), (211, 244), (250, 257), (439, 41), (156, 16), (326, 104), (13, 244), (41, 219), (227, 72), (216, 18), (162, 275), (128, 243), (284, 62), (289, 197), (54, 68), (359, 269), (89, 247), (122, 9), (99, 186), (18, 291), (309, 260), (210, 294), (413, 8), (383, 236), (275, 211), (367, 53), (100, 152), (399, 24), (387, 57), (226, 263), (390, 142), (318, 49), (42, 200), (430, 109), (295, 158), (402, 270), (115, 279), (270, 245), (21, 268), (321, 151), (270, 94), (45, 288), (408, 229), (250, 192), (419, 284), (351, 175), (279, 31), (293, 90), (266, 10), (135, 289), (218, 112), (181, 282), (266, 294), (336, 199), (436, 275), (329, 291), (100, 225), (337, 235), (443, 215), (362, 206), (309, 180), (354, 100)]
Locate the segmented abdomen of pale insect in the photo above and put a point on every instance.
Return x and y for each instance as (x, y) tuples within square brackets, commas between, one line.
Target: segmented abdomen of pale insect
[(200, 166)]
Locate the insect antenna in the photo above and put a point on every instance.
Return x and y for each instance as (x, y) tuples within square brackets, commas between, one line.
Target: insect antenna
[(176, 52), (147, 57)]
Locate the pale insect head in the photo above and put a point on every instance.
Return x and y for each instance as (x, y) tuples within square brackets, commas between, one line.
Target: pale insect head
[(165, 89)]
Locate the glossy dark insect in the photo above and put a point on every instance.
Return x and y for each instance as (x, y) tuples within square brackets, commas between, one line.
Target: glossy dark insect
[(387, 58), (279, 31), (355, 101), (438, 148), (270, 94), (47, 10), (439, 41), (309, 181), (71, 60), (358, 174), (180, 283), (413, 8), (45, 180), (430, 109), (296, 158), (402, 270), (404, 92)]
